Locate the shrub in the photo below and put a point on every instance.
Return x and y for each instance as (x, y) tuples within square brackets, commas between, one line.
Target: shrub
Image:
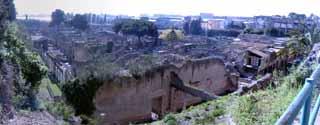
[(80, 94), (265, 107), (218, 111), (60, 109), (170, 120), (88, 120)]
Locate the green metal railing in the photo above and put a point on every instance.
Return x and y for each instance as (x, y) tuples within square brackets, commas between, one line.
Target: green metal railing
[(303, 102)]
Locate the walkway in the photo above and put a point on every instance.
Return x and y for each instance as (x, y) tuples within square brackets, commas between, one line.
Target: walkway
[(178, 84)]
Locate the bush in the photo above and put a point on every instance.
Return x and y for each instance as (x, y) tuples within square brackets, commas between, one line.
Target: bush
[(80, 94), (218, 111), (88, 120), (262, 107), (265, 107), (231, 33), (170, 120), (60, 109), (244, 110)]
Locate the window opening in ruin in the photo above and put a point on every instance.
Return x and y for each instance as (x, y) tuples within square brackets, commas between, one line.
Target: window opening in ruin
[(157, 106)]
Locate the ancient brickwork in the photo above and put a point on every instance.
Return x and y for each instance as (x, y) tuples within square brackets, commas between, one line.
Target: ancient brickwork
[(127, 99)]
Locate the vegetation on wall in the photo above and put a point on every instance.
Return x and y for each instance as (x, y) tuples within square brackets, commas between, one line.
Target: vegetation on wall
[(80, 94), (30, 65), (261, 107)]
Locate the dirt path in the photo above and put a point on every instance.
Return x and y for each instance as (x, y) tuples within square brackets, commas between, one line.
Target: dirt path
[(33, 118)]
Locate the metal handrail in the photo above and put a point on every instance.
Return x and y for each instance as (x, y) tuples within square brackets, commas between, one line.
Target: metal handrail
[(303, 101)]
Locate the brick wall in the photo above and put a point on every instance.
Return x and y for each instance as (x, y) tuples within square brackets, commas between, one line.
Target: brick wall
[(128, 99)]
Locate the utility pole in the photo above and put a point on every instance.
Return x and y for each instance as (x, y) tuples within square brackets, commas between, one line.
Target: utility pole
[(207, 25)]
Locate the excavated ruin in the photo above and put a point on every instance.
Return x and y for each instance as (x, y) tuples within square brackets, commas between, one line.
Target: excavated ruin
[(163, 89)]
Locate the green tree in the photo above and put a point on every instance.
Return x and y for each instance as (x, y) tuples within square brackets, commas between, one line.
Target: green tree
[(117, 26), (309, 26), (299, 43), (186, 27), (12, 11), (138, 28), (6, 69), (16, 59), (80, 22), (110, 47), (195, 27), (172, 36), (80, 94), (57, 17), (30, 65), (312, 30)]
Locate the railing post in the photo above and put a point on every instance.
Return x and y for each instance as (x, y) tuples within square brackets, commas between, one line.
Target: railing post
[(306, 108), (314, 113)]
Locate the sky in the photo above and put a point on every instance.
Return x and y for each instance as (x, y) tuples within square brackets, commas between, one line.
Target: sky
[(182, 7)]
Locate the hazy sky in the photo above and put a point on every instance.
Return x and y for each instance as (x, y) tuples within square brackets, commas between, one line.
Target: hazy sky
[(184, 7)]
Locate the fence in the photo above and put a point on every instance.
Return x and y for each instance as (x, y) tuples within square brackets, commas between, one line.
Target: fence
[(303, 102)]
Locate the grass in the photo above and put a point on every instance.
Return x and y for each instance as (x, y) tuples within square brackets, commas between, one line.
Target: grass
[(55, 90), (57, 108), (266, 106), (205, 113), (263, 107), (60, 109), (47, 87)]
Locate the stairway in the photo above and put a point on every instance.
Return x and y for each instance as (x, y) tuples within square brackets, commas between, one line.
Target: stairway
[(177, 83)]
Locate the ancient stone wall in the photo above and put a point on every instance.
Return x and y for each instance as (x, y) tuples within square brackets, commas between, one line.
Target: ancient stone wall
[(81, 53), (127, 99)]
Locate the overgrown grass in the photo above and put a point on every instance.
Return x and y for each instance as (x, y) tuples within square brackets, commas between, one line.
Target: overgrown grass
[(266, 106), (57, 108), (205, 113), (55, 90), (263, 107), (60, 109)]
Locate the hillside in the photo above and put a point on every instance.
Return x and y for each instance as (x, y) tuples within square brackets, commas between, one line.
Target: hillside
[(24, 78), (256, 107)]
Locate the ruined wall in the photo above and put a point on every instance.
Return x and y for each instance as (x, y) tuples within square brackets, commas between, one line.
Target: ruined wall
[(81, 53), (132, 99)]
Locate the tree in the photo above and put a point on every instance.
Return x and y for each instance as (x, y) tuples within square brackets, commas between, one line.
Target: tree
[(153, 32), (57, 17), (11, 10), (30, 65), (7, 74), (117, 26), (299, 43), (138, 28), (80, 94), (172, 36), (80, 22), (236, 25), (275, 32), (109, 47), (7, 13), (297, 16), (195, 27), (186, 27)]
